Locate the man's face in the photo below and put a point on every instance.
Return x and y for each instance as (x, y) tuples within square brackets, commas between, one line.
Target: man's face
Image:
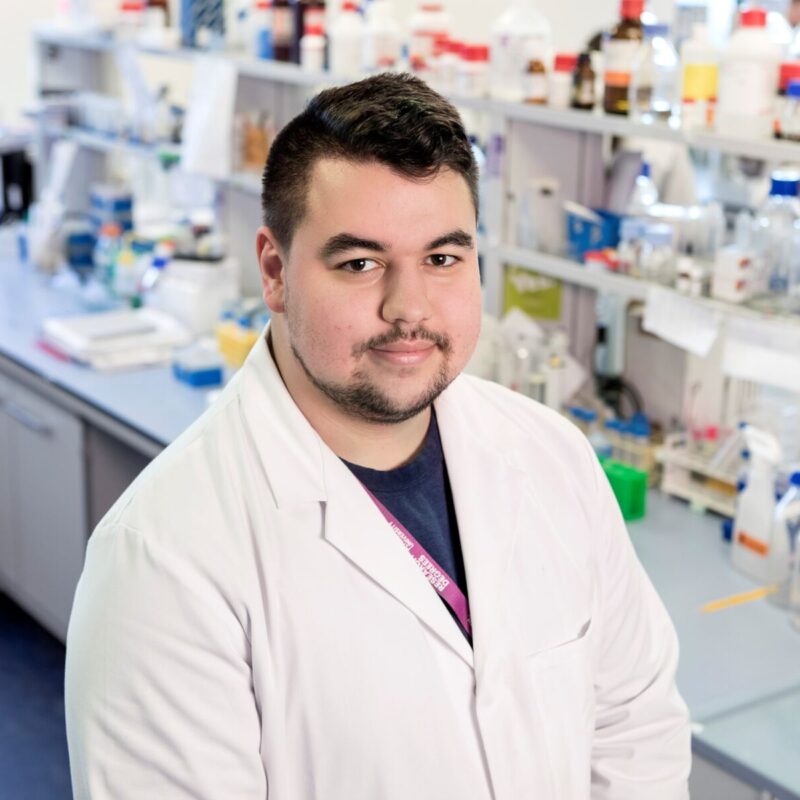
[(380, 291)]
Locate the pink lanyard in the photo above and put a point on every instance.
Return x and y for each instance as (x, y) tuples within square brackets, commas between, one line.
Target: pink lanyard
[(446, 587)]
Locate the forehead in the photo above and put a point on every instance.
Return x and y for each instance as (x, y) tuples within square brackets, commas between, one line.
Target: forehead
[(371, 199)]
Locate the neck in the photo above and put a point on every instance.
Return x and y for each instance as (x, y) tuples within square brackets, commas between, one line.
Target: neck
[(369, 444)]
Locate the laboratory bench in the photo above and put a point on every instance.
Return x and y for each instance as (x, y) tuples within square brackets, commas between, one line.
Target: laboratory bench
[(71, 439)]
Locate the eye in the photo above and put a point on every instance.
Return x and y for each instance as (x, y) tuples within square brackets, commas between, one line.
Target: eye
[(442, 260), (359, 265)]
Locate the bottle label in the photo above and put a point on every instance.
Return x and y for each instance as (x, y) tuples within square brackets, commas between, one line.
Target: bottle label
[(282, 26), (535, 88), (619, 57), (584, 92), (747, 88), (700, 82), (751, 543)]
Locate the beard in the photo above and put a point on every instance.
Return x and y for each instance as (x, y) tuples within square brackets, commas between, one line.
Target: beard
[(364, 400)]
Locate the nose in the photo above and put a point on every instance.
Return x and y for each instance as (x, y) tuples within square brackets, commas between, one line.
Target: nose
[(406, 297)]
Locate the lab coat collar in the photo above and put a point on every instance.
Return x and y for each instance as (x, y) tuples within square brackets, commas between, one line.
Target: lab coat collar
[(288, 447)]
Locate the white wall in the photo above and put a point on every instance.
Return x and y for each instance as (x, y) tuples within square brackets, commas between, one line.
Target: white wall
[(573, 22)]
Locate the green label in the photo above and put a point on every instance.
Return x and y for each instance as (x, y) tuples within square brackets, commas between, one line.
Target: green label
[(539, 296)]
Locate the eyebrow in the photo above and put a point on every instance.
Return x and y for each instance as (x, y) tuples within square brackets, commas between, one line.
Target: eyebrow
[(344, 242), (458, 237)]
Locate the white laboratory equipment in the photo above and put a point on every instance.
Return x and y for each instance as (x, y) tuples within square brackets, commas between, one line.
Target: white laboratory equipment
[(784, 543), (755, 506)]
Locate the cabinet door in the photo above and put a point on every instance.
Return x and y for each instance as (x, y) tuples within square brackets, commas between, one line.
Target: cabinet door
[(50, 506), (9, 558)]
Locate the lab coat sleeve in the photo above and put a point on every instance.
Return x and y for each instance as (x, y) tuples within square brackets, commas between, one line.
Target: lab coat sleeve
[(159, 699), (642, 742)]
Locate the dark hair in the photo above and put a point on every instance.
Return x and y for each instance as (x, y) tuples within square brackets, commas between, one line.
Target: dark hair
[(394, 119)]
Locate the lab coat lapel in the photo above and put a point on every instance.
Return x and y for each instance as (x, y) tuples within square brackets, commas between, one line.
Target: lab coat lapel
[(487, 495), (355, 526)]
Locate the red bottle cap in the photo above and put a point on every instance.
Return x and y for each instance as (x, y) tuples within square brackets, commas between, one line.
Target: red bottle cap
[(455, 46), (631, 9), (565, 62), (475, 52), (348, 5), (790, 71), (314, 29), (753, 18)]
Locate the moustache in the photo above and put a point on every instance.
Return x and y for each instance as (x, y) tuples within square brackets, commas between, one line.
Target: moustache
[(441, 340)]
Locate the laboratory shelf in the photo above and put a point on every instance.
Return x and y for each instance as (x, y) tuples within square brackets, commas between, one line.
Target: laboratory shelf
[(626, 286), (105, 143), (595, 122), (572, 272)]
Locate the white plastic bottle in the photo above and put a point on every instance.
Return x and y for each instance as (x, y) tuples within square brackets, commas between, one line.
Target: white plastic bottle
[(428, 23), (518, 32), (644, 194), (312, 49), (748, 79), (784, 543), (755, 506), (472, 76), (347, 42), (776, 227), (381, 37), (700, 80)]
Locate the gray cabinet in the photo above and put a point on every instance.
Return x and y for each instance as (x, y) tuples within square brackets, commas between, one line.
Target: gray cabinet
[(43, 492), (8, 539)]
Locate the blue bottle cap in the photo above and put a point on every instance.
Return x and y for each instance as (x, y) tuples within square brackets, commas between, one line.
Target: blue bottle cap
[(784, 184), (645, 172), (795, 479), (793, 89), (745, 454)]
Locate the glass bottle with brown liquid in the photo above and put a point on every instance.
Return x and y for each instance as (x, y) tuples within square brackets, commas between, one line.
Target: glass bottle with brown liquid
[(620, 48)]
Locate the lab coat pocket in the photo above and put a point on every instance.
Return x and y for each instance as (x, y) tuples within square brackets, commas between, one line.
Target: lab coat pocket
[(564, 650), (563, 685)]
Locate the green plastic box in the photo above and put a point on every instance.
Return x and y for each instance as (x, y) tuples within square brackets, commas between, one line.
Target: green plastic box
[(630, 488)]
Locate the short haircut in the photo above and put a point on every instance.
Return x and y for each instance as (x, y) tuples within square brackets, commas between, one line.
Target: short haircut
[(390, 118)]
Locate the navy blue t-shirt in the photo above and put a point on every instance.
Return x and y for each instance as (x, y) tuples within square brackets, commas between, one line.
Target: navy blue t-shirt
[(418, 494)]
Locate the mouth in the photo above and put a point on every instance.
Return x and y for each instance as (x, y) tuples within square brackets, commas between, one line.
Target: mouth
[(404, 353)]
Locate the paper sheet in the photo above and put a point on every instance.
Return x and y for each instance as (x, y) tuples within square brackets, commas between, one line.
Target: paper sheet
[(763, 351), (681, 321), (207, 131)]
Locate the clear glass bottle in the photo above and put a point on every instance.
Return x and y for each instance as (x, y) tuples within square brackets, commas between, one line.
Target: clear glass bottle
[(645, 193), (776, 228), (790, 122), (653, 91)]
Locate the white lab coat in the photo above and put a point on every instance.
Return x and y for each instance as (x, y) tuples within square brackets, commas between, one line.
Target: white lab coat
[(248, 626)]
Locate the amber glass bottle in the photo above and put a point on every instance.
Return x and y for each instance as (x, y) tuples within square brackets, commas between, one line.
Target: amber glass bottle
[(620, 48), (583, 95)]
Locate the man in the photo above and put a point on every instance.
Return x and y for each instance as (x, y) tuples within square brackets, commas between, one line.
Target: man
[(360, 575)]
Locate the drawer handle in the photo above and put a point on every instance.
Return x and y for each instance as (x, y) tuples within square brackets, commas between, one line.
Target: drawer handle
[(26, 418)]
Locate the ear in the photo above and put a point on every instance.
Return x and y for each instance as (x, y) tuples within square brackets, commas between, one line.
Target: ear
[(272, 268)]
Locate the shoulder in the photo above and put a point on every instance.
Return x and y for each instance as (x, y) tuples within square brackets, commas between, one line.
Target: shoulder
[(191, 500), (542, 444), (512, 418)]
